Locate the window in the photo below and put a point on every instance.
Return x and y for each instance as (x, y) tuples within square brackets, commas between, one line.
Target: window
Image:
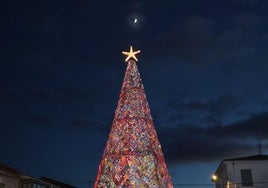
[(31, 184), (24, 185), (2, 185), (246, 177)]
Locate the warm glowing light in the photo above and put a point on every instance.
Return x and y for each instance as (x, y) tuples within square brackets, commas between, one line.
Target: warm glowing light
[(214, 177), (131, 54)]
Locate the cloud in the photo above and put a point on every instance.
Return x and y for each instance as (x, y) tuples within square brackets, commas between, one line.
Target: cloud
[(224, 104), (9, 97), (201, 39), (243, 1), (91, 126), (247, 20), (250, 128), (42, 94), (62, 92), (43, 121), (205, 150), (188, 43), (191, 143)]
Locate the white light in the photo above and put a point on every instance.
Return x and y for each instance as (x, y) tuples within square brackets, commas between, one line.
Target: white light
[(214, 177)]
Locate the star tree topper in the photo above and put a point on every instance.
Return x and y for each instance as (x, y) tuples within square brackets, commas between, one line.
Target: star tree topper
[(131, 54)]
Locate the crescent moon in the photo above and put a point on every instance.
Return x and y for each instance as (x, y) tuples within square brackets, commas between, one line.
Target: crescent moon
[(135, 20)]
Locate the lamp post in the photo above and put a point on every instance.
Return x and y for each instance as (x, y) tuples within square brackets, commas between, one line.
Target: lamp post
[(222, 182), (214, 179)]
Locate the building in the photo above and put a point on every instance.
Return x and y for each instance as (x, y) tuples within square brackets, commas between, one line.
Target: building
[(56, 183), (9, 177), (243, 172), (12, 178)]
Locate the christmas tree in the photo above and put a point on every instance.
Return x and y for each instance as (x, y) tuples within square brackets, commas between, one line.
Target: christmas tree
[(133, 156)]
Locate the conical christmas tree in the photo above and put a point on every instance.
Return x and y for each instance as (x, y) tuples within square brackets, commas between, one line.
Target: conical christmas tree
[(133, 156)]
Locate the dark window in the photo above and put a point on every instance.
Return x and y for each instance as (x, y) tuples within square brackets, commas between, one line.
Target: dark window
[(33, 185), (246, 177)]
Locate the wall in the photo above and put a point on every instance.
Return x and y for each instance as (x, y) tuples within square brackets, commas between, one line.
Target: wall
[(259, 170), (10, 180)]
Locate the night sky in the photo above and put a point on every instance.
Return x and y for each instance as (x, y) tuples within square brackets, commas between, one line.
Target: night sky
[(203, 65)]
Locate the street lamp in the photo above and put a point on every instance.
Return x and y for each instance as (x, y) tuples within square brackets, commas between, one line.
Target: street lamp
[(214, 178), (222, 182)]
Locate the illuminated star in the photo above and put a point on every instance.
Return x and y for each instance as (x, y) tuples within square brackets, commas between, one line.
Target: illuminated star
[(131, 54)]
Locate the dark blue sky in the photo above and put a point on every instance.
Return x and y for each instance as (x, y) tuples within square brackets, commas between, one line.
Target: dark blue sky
[(203, 64)]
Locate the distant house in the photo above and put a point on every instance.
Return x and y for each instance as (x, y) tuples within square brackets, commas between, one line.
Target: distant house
[(11, 178), (56, 183), (243, 172)]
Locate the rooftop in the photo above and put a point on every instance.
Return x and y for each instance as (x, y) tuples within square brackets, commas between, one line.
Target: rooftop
[(9, 169), (55, 182), (249, 158)]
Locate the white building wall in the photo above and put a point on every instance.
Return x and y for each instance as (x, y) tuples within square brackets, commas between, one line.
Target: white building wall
[(223, 176), (259, 171)]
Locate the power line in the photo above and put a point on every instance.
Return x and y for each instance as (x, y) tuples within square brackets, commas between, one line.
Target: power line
[(210, 184), (193, 184)]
